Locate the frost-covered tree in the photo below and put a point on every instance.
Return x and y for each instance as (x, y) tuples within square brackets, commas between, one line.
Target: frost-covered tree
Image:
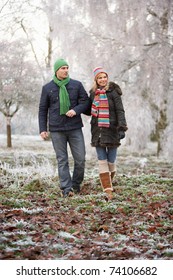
[(18, 82), (131, 39)]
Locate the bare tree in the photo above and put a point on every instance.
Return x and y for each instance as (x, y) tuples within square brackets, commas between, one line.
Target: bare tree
[(18, 16), (17, 82), (132, 40)]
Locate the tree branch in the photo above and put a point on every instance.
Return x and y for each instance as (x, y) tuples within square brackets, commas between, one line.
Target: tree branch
[(32, 48)]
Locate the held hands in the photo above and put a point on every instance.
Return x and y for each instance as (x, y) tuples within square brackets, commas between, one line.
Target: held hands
[(71, 113)]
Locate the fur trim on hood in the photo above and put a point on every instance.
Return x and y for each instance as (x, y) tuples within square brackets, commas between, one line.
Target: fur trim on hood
[(114, 86)]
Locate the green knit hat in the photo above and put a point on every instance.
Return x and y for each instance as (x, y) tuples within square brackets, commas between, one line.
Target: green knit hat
[(59, 63)]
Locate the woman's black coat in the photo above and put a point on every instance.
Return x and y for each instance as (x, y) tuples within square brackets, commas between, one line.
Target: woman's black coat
[(110, 137)]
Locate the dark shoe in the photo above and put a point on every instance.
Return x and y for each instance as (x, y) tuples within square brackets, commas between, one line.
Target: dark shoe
[(68, 193), (76, 189)]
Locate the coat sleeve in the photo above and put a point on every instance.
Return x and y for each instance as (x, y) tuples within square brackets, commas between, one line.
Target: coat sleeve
[(43, 110), (120, 112)]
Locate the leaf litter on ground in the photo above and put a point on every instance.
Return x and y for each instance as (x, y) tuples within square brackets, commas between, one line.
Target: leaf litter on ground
[(37, 223)]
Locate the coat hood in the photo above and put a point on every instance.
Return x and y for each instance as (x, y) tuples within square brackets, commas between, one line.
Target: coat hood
[(114, 86)]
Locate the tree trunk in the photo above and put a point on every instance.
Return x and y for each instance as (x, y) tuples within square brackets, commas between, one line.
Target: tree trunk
[(167, 149), (9, 143), (49, 55)]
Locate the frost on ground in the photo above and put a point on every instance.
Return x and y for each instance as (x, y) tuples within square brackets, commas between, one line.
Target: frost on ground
[(37, 223)]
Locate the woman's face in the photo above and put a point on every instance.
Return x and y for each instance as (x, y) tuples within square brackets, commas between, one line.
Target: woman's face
[(102, 79)]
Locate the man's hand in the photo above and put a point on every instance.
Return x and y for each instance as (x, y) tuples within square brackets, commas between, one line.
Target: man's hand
[(71, 113), (44, 135)]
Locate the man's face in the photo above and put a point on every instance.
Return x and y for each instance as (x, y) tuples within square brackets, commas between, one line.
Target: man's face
[(62, 72)]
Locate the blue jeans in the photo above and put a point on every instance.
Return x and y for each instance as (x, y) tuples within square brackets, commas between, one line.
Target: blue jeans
[(106, 153), (75, 140)]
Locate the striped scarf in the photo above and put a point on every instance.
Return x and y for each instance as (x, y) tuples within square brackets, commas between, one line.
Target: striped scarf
[(100, 108)]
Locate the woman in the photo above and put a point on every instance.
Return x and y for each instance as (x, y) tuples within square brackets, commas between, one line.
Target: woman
[(108, 125)]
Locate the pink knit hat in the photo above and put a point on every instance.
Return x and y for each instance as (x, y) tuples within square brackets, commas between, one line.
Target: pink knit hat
[(98, 70)]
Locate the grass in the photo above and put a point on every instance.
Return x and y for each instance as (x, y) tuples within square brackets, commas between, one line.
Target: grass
[(37, 223)]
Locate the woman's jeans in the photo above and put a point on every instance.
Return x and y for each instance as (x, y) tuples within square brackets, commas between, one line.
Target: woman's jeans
[(106, 153), (76, 143)]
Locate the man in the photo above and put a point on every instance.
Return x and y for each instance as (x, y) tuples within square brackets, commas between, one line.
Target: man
[(61, 104)]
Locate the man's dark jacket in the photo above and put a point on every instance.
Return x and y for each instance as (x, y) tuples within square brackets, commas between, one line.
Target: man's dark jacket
[(49, 107)]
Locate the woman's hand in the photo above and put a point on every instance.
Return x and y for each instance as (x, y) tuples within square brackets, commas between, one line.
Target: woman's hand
[(121, 134)]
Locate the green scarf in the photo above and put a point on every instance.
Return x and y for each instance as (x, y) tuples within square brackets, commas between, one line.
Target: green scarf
[(63, 94)]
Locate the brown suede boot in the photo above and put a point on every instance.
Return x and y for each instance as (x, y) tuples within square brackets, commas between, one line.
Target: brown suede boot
[(106, 184)]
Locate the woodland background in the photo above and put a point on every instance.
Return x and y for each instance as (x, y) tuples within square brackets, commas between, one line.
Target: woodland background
[(133, 40)]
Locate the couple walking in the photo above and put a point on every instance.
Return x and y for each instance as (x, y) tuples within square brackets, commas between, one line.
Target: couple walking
[(62, 102)]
